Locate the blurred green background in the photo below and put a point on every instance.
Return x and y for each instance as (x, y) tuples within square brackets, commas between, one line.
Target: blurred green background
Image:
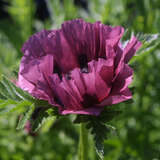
[(138, 127)]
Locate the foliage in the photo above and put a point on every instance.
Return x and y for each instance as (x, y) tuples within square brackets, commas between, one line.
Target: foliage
[(98, 127)]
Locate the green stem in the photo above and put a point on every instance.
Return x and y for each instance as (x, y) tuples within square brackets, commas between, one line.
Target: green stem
[(83, 143)]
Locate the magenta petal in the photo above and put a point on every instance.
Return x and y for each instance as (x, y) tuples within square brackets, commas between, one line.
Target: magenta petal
[(81, 37), (98, 81), (123, 80), (33, 76), (117, 98), (90, 39), (114, 36), (62, 51), (64, 96), (89, 111), (131, 48), (81, 90), (35, 69), (120, 91), (24, 84), (32, 89), (35, 46), (116, 32), (108, 36)]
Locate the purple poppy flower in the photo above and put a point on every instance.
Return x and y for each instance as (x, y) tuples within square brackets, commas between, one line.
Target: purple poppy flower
[(79, 68)]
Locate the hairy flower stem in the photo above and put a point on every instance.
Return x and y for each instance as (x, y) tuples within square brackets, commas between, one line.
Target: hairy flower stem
[(83, 143)]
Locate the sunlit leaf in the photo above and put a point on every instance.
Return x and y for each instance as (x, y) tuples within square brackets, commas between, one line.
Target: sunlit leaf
[(40, 118), (149, 43), (25, 117), (10, 90)]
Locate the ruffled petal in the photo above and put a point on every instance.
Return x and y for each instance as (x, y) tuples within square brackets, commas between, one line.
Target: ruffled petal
[(35, 70), (96, 83), (64, 97), (78, 37), (123, 80), (80, 68), (131, 48), (89, 111), (24, 84), (117, 98), (35, 46), (33, 76), (124, 55), (62, 51), (81, 36), (114, 36), (80, 92), (120, 91)]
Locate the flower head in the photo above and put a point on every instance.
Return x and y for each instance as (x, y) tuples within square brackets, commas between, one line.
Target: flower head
[(79, 68)]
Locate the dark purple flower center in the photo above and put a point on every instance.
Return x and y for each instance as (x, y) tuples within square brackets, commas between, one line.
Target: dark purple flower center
[(89, 100)]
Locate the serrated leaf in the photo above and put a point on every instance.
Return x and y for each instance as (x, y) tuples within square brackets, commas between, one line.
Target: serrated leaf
[(39, 102), (8, 106), (47, 123), (4, 103), (25, 117), (98, 127), (4, 92), (106, 115), (126, 37), (81, 119), (15, 92), (8, 87), (149, 43), (41, 117), (99, 131), (2, 96)]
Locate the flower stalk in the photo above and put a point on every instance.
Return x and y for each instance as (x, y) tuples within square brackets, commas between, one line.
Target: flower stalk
[(83, 143)]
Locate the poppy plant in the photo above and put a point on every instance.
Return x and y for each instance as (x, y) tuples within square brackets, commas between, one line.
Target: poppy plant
[(80, 68)]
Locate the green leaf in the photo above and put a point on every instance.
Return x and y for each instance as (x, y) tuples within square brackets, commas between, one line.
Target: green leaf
[(3, 91), (47, 123), (15, 99), (10, 90), (42, 117), (81, 119), (126, 36), (4, 103), (149, 42), (99, 131), (8, 106), (2, 96), (25, 117), (98, 127), (107, 115)]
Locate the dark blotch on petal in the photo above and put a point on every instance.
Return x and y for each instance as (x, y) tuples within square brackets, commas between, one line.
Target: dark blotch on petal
[(89, 100), (83, 63), (83, 60), (57, 70), (68, 76), (58, 101)]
